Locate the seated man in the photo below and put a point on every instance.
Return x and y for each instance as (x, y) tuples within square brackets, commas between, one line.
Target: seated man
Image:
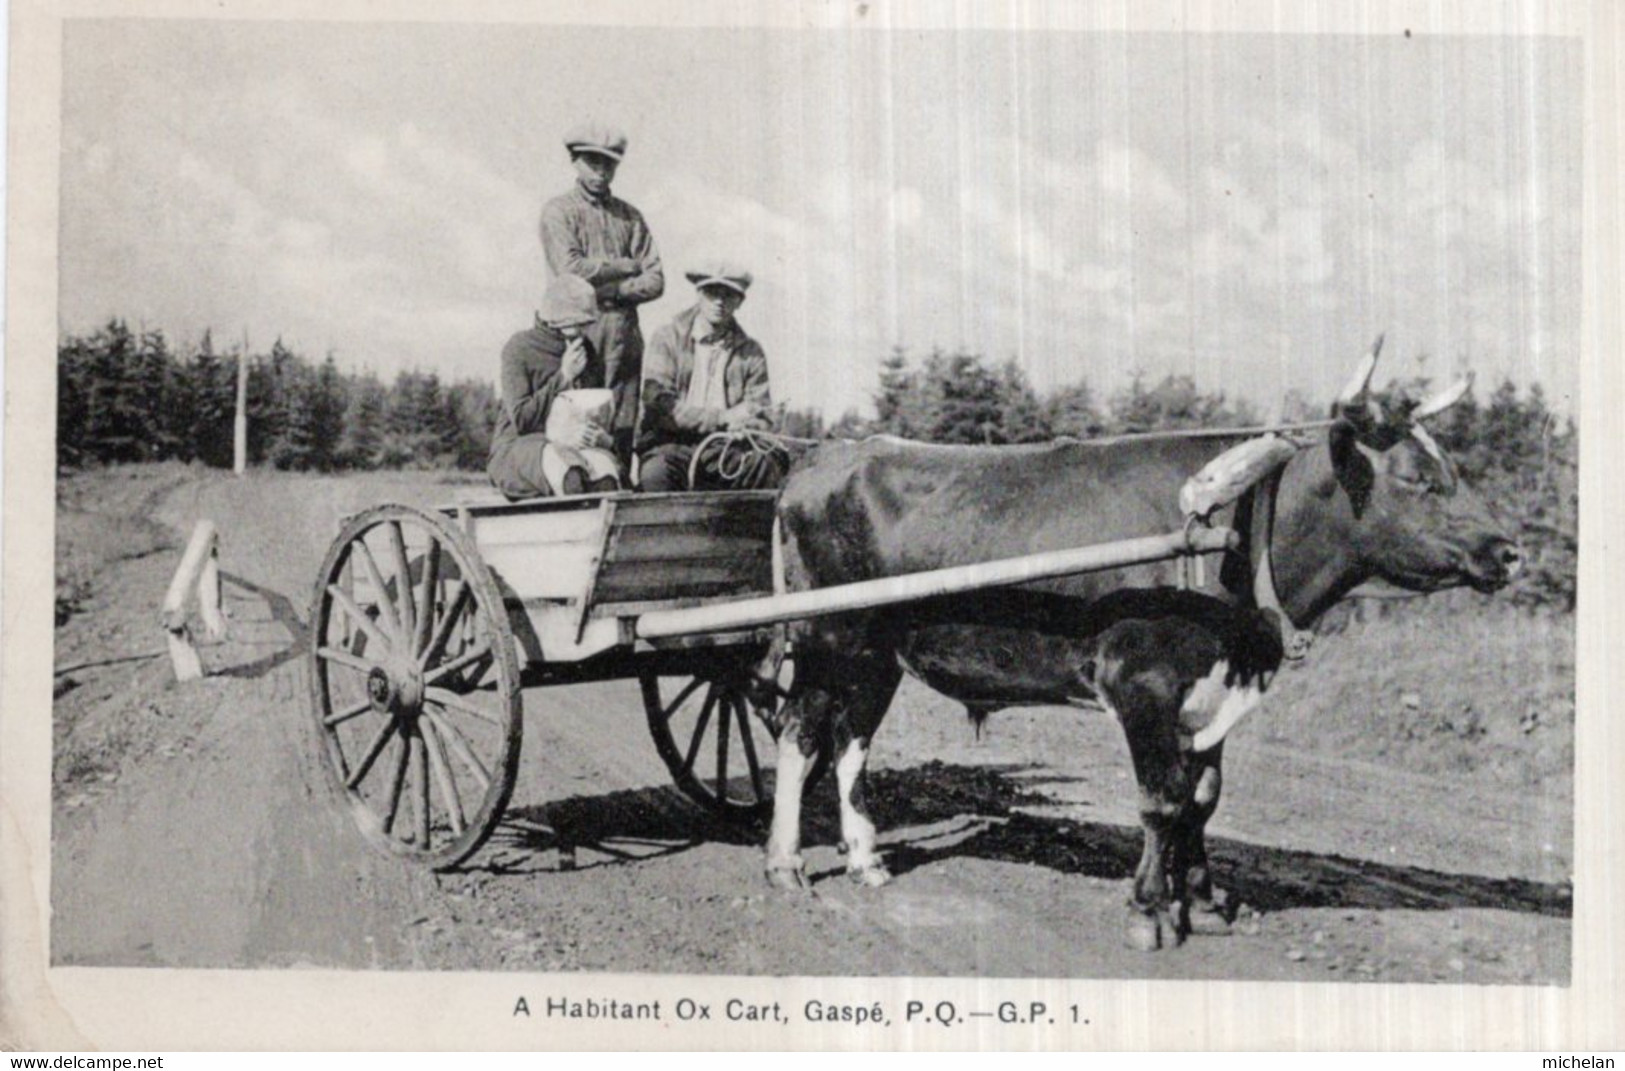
[(701, 374), (538, 366)]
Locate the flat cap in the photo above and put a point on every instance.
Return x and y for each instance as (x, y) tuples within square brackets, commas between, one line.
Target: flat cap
[(568, 301), (720, 273), (595, 137)]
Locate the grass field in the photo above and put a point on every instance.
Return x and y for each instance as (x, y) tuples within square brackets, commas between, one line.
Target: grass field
[(1455, 684)]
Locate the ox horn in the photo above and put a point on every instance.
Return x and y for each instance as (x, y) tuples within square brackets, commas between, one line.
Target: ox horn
[(1428, 442), (1362, 375), (1444, 399)]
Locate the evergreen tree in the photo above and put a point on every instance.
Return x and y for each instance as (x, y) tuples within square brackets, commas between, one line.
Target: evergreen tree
[(73, 365), (361, 441), (118, 428), (214, 389), (294, 446), (474, 412), (327, 399), (1022, 418), (415, 426), (270, 379), (1071, 411), (959, 402), (897, 384)]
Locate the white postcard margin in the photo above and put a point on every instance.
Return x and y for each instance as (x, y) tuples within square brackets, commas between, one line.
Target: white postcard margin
[(80, 1008)]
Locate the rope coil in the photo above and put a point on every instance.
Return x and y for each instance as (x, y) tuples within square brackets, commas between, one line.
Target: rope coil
[(744, 460)]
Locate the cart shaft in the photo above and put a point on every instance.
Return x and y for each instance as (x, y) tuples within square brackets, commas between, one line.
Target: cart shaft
[(866, 594)]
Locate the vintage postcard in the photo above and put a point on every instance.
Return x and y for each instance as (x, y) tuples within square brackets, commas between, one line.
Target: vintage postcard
[(857, 526)]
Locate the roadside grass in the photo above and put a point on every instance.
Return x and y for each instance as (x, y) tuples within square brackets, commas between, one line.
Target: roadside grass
[(1454, 685), (104, 516)]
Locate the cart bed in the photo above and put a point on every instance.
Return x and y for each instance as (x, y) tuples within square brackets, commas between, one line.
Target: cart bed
[(570, 566)]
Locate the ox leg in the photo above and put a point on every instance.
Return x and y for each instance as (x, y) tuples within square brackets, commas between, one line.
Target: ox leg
[(854, 728), (1210, 911), (798, 743), (1146, 696)]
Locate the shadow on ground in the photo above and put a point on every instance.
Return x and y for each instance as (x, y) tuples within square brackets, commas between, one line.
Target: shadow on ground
[(282, 613), (621, 828)]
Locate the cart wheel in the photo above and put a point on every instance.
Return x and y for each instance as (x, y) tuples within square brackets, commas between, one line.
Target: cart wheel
[(415, 685), (718, 747)]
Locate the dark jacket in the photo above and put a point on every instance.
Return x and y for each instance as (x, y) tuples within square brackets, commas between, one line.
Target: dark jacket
[(530, 382)]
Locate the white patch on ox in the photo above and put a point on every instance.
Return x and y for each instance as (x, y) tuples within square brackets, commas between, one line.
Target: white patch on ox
[(1213, 708), (784, 839), (856, 831)]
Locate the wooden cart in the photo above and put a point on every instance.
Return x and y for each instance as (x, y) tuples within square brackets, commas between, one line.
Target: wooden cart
[(428, 625)]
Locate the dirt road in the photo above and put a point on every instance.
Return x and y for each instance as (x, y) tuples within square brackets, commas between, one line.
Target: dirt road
[(193, 825)]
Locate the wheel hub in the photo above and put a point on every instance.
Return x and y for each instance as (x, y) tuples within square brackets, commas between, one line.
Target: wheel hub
[(395, 689)]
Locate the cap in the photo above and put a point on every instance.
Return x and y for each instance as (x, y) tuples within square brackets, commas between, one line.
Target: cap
[(569, 301), (720, 273), (600, 138)]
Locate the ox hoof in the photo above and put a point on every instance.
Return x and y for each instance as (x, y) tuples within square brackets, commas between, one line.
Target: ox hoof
[(872, 876), (1148, 932), (788, 878), (1211, 918)]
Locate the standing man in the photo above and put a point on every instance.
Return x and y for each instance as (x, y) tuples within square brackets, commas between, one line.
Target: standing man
[(538, 366), (705, 375), (592, 234)]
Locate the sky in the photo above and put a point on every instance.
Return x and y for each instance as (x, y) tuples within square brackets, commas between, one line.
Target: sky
[(1249, 210)]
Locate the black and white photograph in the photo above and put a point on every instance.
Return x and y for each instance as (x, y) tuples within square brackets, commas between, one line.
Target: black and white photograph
[(842, 495)]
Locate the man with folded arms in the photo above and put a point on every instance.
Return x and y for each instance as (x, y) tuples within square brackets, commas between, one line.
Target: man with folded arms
[(591, 233)]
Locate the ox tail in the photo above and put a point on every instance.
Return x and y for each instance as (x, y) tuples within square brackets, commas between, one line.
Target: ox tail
[(978, 712)]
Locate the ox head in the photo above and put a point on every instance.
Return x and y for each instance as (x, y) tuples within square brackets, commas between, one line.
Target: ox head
[(1393, 503)]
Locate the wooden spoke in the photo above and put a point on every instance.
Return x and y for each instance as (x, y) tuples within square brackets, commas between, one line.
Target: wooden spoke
[(374, 749), (724, 727), (687, 691), (348, 713), (376, 579), (699, 730), (420, 789), (467, 658), (454, 609), (459, 746), (403, 583), (431, 580), (452, 701), (750, 749), (442, 775), (397, 778), (344, 658), (366, 623), (474, 679)]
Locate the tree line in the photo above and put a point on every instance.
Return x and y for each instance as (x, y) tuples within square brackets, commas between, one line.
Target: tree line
[(130, 396)]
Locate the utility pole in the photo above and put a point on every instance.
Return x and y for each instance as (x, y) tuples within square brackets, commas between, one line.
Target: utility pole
[(239, 463)]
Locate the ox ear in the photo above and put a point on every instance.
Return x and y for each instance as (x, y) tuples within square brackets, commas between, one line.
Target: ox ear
[(1355, 473)]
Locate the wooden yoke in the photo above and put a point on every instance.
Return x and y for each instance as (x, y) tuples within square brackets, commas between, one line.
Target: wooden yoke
[(1219, 483)]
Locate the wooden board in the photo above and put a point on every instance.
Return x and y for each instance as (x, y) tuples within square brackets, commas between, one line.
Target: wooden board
[(661, 548)]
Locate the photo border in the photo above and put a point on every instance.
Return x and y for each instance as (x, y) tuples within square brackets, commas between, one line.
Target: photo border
[(134, 1009)]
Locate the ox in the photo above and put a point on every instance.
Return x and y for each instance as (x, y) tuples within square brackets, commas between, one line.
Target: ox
[(1376, 501)]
